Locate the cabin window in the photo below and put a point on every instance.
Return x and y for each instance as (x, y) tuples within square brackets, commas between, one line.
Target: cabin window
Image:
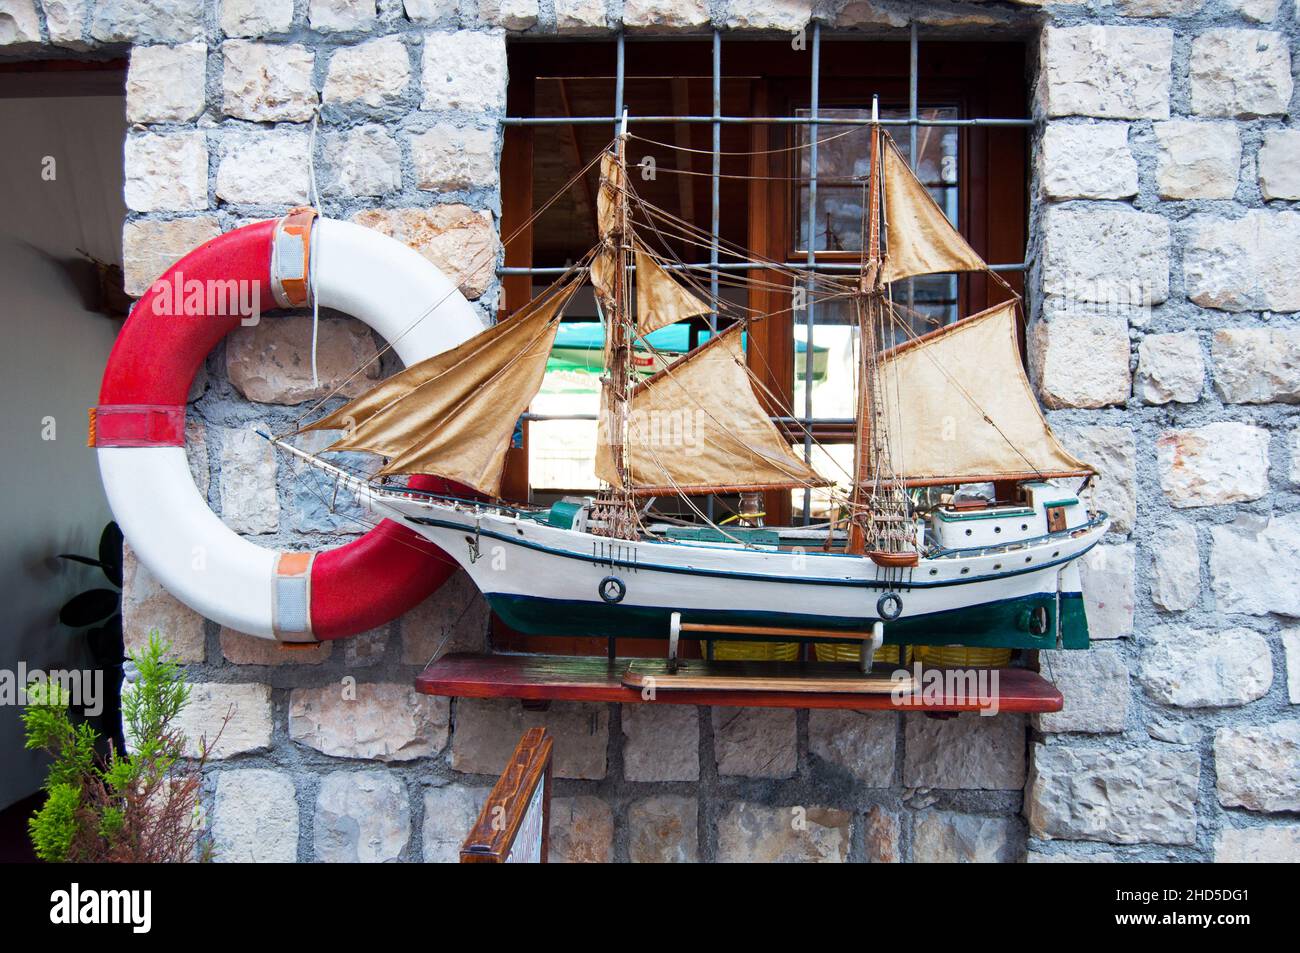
[(957, 108)]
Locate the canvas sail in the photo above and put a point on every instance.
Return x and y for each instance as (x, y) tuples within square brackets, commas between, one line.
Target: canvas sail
[(660, 300), (919, 238), (612, 183), (965, 411), (607, 203), (697, 427), (453, 415)]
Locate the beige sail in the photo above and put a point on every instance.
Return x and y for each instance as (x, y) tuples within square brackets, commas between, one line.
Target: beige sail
[(961, 408), (919, 238), (660, 300), (602, 277), (612, 183), (454, 414), (607, 202), (696, 427)]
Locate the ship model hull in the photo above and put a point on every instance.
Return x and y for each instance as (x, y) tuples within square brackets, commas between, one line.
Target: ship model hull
[(542, 579)]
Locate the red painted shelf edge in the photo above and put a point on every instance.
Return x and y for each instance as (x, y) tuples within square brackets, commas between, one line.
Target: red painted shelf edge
[(593, 679)]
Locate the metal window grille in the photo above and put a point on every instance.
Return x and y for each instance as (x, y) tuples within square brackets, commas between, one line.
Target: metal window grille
[(812, 118)]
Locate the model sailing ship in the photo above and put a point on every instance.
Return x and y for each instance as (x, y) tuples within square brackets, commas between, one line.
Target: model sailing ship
[(944, 409)]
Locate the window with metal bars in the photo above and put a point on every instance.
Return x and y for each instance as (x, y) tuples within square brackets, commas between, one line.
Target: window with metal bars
[(761, 143)]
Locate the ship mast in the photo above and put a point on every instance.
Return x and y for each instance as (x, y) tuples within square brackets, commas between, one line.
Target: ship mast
[(880, 526), (615, 510)]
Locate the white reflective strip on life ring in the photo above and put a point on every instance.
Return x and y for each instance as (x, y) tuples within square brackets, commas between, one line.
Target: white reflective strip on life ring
[(196, 557), (291, 597)]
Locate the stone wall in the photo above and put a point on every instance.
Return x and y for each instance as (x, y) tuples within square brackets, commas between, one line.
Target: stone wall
[(1164, 337), (1163, 340)]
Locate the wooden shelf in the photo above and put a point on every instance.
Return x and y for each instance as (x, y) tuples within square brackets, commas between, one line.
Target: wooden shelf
[(596, 679)]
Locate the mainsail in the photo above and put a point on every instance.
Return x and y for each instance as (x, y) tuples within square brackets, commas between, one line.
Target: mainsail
[(919, 239), (453, 415), (966, 412), (697, 427)]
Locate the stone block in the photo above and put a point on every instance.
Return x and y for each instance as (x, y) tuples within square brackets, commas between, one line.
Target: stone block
[(373, 721), (1208, 466), (1258, 767), (755, 742), (255, 818), (757, 833), (1133, 796), (487, 731), (361, 817), (663, 830), (661, 743)]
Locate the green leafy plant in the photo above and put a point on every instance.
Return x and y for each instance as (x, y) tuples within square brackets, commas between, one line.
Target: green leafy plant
[(99, 612), (136, 807)]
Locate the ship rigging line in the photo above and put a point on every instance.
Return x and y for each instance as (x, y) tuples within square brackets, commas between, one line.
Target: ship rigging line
[(686, 229), (750, 374), (738, 251), (297, 473), (691, 503), (464, 272), (753, 314), (729, 279), (514, 359), (754, 152)]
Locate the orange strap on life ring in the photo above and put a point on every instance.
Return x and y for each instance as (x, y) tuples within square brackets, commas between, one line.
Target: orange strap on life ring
[(293, 256)]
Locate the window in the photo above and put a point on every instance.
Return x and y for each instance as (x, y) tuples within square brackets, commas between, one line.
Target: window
[(725, 133)]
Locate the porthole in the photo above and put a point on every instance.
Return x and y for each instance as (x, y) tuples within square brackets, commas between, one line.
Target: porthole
[(1029, 559), (1024, 527), (997, 529), (934, 572), (965, 570), (967, 532), (997, 566), (1055, 554)]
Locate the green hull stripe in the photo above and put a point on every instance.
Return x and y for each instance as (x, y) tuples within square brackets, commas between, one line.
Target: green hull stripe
[(1002, 624)]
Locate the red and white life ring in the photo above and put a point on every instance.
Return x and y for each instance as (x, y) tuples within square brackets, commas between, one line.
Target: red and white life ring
[(139, 428)]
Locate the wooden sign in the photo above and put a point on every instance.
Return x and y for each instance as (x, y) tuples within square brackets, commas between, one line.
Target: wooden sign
[(514, 825)]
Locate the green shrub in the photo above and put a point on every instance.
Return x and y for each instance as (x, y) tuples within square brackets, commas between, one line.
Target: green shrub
[(137, 806)]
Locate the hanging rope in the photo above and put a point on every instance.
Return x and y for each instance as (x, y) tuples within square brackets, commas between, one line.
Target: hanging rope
[(311, 263)]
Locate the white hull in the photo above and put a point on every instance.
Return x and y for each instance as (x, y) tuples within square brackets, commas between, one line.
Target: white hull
[(547, 579)]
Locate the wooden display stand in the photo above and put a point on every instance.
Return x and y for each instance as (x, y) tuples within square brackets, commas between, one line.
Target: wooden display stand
[(677, 681), (586, 678)]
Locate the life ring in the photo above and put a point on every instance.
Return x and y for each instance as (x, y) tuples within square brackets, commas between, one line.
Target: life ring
[(889, 606), (139, 428), (612, 590)]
